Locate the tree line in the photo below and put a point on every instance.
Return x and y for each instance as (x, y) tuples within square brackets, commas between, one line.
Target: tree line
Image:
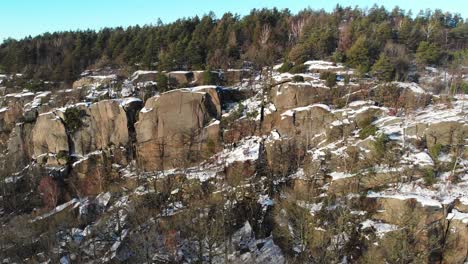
[(355, 36)]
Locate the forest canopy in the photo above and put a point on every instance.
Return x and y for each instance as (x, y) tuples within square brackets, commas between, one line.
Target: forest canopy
[(357, 37)]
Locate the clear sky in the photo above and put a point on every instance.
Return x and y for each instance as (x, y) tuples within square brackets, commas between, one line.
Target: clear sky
[(20, 18)]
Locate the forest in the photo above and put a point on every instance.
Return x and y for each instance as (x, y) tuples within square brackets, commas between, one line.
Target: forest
[(374, 40)]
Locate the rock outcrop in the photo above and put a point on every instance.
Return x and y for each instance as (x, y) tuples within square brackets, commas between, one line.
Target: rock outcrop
[(171, 129), (49, 135), (292, 95), (104, 124)]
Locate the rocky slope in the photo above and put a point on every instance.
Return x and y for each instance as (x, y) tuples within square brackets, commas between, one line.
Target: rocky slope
[(271, 168)]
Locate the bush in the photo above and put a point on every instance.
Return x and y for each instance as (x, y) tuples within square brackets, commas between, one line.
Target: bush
[(380, 146), (331, 80), (383, 69), (35, 86), (209, 77), (163, 82), (429, 177), (252, 115), (434, 152), (236, 114), (346, 79), (285, 67), (298, 78), (329, 77), (299, 68), (73, 120), (428, 53), (367, 131)]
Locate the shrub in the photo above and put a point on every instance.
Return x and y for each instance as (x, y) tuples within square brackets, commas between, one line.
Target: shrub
[(35, 86), (329, 77), (427, 53), (252, 114), (383, 69), (346, 79), (209, 77), (331, 80), (298, 78), (324, 75), (429, 177), (434, 152), (367, 131), (73, 120), (285, 67), (163, 82), (236, 114), (380, 145), (299, 68)]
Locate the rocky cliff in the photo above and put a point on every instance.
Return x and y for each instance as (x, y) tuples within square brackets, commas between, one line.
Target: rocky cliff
[(266, 170)]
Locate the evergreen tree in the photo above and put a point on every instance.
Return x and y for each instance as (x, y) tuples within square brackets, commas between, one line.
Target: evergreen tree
[(427, 53), (358, 56), (383, 69)]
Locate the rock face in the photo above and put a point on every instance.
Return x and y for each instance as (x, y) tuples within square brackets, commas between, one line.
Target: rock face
[(19, 149), (49, 135), (291, 95), (93, 175), (309, 122), (88, 81), (105, 124), (171, 130)]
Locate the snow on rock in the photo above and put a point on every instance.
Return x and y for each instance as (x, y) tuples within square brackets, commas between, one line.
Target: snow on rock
[(414, 87), (137, 74), (340, 175), (74, 203), (127, 101), (421, 159), (246, 150), (322, 65), (457, 215), (420, 198), (303, 108), (380, 228)]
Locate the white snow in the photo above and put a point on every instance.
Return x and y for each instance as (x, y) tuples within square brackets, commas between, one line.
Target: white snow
[(322, 65), (414, 87), (380, 228), (340, 175), (247, 149), (422, 199), (457, 215)]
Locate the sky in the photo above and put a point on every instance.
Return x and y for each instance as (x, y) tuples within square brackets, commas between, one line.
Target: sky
[(21, 18)]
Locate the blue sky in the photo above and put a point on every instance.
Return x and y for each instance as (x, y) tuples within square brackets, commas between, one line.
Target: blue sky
[(20, 18)]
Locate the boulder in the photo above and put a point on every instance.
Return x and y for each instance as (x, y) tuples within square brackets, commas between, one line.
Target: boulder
[(171, 129), (291, 95), (311, 122), (105, 124), (398, 94), (444, 132), (49, 135)]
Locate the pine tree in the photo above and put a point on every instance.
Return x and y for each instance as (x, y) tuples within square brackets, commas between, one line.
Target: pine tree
[(359, 55), (427, 53), (383, 69)]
